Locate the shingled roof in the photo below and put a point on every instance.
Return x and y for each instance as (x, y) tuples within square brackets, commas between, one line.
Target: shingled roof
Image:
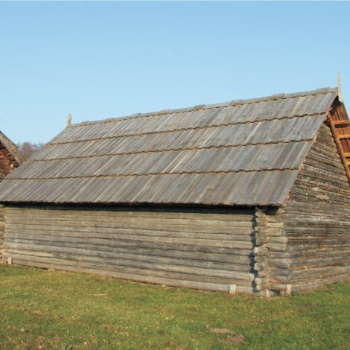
[(10, 157), (238, 153)]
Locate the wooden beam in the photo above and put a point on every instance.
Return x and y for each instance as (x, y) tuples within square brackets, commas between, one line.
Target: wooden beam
[(343, 137), (340, 90), (340, 122), (338, 117)]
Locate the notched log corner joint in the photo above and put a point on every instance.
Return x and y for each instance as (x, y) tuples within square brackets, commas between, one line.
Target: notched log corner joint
[(272, 259)]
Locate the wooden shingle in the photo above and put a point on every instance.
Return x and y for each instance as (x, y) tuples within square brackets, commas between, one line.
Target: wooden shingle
[(255, 147)]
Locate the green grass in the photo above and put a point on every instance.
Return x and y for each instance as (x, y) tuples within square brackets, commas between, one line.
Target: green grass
[(42, 309)]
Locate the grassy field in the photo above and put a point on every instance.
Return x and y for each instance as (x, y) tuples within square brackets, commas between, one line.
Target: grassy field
[(42, 309)]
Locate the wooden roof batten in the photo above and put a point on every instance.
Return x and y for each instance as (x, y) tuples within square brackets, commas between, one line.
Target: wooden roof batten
[(339, 123), (240, 153)]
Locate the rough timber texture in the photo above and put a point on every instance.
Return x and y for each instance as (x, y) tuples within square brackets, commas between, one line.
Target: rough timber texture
[(10, 157), (272, 255), (237, 153), (98, 197), (316, 218), (2, 229), (206, 249)]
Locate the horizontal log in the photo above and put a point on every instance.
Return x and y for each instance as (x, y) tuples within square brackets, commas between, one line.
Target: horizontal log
[(261, 251), (109, 233), (331, 201), (136, 262), (125, 272), (276, 239), (229, 244), (165, 257), (261, 283), (278, 247), (267, 219), (261, 259), (280, 279), (326, 228), (270, 231), (326, 165), (279, 255), (296, 209), (320, 271), (132, 244), (326, 265), (224, 255), (319, 253), (281, 263), (275, 271), (260, 241), (302, 284), (99, 227), (312, 228), (261, 266), (103, 213), (287, 288), (302, 252), (107, 218), (311, 234), (316, 245), (312, 171), (323, 260)]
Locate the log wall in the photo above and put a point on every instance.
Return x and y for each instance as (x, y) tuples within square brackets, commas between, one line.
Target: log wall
[(2, 229), (317, 218), (203, 249), (272, 256)]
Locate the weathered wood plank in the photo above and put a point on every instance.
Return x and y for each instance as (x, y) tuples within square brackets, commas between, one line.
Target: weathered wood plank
[(226, 255), (146, 222), (150, 246), (189, 241), (91, 231), (317, 217), (62, 212), (133, 226), (175, 257), (175, 273), (199, 247), (144, 262)]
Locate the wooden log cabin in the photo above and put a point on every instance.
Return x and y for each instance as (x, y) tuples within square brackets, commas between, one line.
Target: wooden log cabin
[(246, 196), (10, 159)]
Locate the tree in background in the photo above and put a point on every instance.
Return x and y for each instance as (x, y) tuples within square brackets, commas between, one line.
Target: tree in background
[(27, 148)]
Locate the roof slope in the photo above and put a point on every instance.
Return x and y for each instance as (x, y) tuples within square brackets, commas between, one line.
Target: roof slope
[(10, 157), (239, 153), (12, 148)]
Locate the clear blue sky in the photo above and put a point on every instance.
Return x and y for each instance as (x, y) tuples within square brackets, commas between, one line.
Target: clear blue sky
[(111, 59)]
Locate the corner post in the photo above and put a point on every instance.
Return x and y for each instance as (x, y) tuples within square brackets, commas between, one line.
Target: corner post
[(272, 258)]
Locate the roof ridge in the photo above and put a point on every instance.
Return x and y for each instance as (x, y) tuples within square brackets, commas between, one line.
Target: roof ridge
[(209, 106)]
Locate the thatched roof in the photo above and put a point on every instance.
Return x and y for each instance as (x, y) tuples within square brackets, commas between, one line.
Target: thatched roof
[(238, 153)]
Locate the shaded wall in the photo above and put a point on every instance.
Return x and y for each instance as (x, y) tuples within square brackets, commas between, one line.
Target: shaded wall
[(317, 218)]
